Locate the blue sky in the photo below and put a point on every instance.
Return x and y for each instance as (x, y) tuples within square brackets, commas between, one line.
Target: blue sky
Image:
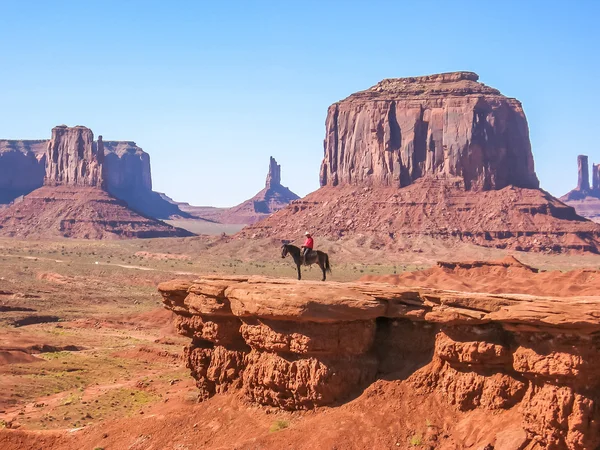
[(211, 89)]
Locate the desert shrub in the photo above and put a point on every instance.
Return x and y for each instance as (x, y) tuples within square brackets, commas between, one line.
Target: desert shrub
[(279, 425)]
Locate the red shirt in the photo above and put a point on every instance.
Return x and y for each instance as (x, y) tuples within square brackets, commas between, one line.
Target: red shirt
[(309, 242)]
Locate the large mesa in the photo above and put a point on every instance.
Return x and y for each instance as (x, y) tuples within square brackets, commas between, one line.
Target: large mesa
[(447, 125), (442, 156)]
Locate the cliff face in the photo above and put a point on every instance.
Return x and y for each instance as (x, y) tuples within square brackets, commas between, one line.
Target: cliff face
[(22, 167), (127, 167), (442, 125), (73, 158), (297, 345)]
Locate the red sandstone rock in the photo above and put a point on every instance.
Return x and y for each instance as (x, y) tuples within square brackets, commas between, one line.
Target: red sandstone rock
[(447, 124), (514, 218), (297, 345), (73, 158), (125, 169)]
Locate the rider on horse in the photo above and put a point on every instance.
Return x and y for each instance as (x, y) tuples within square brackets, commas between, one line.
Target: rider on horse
[(309, 243)]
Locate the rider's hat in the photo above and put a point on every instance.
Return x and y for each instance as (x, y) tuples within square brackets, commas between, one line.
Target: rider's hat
[(307, 234)]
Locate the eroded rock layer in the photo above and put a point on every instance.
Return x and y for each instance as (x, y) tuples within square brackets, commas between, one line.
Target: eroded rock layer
[(297, 345), (447, 124)]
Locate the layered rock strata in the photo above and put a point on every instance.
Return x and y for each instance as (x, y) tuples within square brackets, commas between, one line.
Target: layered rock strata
[(298, 345), (128, 177), (447, 124), (511, 218)]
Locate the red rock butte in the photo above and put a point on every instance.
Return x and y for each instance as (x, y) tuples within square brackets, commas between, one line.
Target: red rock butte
[(74, 201), (443, 156), (449, 124)]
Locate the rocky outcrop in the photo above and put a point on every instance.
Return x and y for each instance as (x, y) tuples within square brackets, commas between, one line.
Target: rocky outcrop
[(585, 199), (298, 345), (73, 158), (22, 167), (448, 125), (74, 202), (269, 200)]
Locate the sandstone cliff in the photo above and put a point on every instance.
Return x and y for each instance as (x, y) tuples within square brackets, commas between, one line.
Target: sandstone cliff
[(73, 158), (22, 167), (128, 177), (529, 363), (585, 199), (444, 125)]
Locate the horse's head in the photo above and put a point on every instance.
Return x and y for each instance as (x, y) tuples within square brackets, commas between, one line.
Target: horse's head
[(284, 250)]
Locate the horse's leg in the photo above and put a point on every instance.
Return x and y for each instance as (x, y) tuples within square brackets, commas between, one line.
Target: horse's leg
[(322, 266), (299, 274)]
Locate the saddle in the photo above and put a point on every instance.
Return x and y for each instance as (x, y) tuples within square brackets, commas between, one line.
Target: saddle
[(310, 254)]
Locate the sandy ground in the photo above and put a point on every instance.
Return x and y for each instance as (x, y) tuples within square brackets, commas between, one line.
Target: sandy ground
[(89, 359)]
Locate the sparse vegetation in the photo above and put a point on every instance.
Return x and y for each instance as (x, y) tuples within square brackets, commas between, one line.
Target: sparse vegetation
[(278, 425), (416, 440)]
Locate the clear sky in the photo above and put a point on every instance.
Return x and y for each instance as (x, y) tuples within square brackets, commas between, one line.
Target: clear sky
[(211, 89)]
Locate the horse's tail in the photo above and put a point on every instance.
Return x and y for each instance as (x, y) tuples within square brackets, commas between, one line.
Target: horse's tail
[(327, 266)]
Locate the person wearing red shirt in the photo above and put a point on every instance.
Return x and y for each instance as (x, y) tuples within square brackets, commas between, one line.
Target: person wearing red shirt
[(309, 243)]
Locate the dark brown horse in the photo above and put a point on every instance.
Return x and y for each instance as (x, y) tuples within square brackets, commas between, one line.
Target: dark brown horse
[(313, 257)]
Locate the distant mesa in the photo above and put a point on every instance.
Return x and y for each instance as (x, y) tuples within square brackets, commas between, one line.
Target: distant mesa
[(442, 156), (585, 198), (67, 189), (125, 173)]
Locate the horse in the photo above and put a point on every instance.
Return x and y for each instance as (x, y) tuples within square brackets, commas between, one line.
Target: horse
[(319, 257)]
